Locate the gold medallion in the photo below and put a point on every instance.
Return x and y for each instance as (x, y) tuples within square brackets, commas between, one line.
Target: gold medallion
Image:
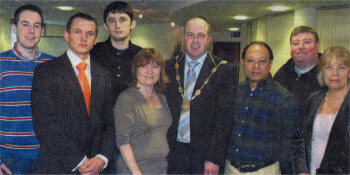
[(186, 105), (214, 70), (198, 92)]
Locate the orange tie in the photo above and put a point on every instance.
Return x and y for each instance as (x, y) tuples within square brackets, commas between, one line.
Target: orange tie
[(84, 84)]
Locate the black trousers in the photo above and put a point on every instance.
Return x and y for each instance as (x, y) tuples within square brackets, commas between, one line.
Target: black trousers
[(184, 159)]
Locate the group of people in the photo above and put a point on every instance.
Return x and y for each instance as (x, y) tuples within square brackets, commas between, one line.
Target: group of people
[(187, 115)]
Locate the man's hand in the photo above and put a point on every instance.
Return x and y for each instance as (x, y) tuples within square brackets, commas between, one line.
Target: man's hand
[(4, 167), (91, 166), (210, 168)]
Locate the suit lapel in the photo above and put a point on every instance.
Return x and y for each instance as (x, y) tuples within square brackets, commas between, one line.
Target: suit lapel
[(204, 73), (181, 70), (71, 80), (97, 87), (340, 124)]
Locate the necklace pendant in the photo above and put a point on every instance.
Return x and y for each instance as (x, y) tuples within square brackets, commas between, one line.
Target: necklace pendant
[(186, 105)]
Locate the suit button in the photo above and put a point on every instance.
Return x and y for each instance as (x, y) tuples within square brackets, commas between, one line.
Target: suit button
[(118, 67), (237, 150), (118, 75)]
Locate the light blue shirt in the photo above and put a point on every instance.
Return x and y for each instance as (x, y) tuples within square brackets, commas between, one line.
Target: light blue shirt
[(198, 68)]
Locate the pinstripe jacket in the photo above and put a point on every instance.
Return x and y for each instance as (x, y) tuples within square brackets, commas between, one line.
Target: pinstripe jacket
[(62, 125)]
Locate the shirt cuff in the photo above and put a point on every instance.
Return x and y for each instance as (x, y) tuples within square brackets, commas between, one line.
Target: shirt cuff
[(104, 159), (81, 162)]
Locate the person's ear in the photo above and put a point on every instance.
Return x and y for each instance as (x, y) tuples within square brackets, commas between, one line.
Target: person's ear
[(66, 36), (133, 24)]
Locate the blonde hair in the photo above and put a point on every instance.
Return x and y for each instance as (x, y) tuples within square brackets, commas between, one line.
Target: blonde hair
[(339, 52)]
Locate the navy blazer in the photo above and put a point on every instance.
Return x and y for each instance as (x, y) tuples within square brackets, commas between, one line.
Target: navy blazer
[(210, 122), (62, 125), (336, 156)]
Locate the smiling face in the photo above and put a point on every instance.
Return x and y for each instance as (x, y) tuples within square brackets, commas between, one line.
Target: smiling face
[(148, 74), (336, 74), (81, 37), (196, 37), (304, 49), (256, 64), (119, 26), (28, 29)]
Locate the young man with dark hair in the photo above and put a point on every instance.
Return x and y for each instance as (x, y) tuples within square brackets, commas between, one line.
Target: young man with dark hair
[(72, 106), (117, 52), (19, 147)]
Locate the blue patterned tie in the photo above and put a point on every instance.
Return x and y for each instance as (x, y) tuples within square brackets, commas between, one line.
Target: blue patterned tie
[(183, 133)]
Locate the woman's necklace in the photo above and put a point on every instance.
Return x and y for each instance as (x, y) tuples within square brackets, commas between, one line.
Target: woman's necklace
[(334, 99), (186, 102)]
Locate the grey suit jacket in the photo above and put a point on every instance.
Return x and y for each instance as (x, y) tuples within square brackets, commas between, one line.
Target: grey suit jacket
[(62, 125)]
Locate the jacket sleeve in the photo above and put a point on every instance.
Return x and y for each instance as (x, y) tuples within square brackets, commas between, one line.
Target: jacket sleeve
[(107, 145), (298, 145), (224, 102), (45, 117), (298, 152)]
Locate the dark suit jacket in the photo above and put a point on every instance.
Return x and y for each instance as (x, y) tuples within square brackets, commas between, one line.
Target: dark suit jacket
[(62, 125), (336, 156), (210, 111)]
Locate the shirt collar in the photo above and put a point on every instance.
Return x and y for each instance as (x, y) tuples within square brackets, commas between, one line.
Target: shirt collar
[(74, 59), (302, 71), (19, 54), (200, 60), (262, 83)]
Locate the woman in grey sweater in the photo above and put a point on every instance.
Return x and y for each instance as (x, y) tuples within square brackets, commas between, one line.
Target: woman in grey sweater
[(142, 118)]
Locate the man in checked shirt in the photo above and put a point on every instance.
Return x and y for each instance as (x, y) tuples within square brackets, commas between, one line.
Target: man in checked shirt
[(264, 118)]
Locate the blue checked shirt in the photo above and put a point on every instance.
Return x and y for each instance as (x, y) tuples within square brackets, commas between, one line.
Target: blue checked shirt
[(264, 123)]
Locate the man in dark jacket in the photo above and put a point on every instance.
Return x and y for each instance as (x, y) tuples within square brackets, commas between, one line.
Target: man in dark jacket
[(298, 75), (72, 107), (199, 98), (117, 52)]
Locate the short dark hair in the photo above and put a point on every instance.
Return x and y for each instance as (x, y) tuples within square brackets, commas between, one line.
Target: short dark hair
[(304, 29), (83, 16), (29, 7), (260, 43), (146, 56), (199, 17), (118, 7)]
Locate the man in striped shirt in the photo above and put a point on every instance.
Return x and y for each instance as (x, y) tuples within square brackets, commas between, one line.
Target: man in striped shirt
[(19, 147)]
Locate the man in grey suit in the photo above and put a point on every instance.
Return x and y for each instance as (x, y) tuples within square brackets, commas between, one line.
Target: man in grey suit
[(72, 106)]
